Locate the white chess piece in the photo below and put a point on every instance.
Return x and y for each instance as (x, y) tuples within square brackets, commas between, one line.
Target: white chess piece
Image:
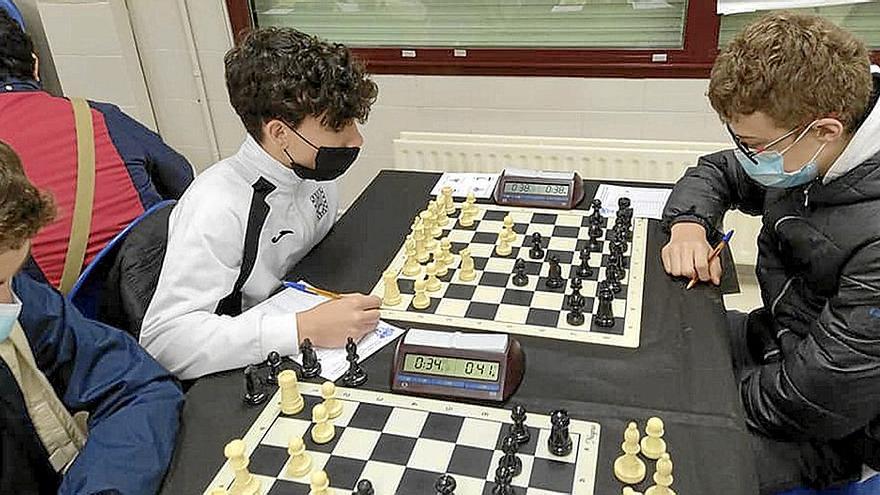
[(331, 403), (391, 294), (421, 243), (432, 231), (470, 203), (291, 400), (300, 462), (508, 228), (433, 283), (653, 445), (440, 214), (421, 299), (411, 266), (628, 468), (449, 203), (662, 477), (245, 483), (322, 430), (440, 262), (629, 491), (319, 484), (503, 248), (466, 219), (446, 247), (467, 272), (218, 490)]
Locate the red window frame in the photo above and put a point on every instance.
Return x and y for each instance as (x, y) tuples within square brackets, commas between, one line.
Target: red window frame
[(693, 60)]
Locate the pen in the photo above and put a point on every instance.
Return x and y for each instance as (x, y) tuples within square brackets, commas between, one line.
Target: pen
[(311, 290), (712, 256)]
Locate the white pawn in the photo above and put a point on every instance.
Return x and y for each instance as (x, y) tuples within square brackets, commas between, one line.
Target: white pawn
[(391, 295), (503, 248), (628, 468), (440, 262), (447, 199), (411, 266), (629, 491), (421, 239), (421, 299), (653, 445), (291, 400), (467, 272), (319, 484), (662, 477), (470, 203), (446, 247), (433, 283), (300, 462), (331, 403), (432, 231), (245, 483), (508, 228), (322, 430), (440, 213)]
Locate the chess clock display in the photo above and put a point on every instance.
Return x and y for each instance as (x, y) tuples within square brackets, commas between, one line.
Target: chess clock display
[(457, 365), (516, 187)]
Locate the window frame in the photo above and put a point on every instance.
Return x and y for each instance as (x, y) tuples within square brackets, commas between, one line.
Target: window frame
[(693, 60)]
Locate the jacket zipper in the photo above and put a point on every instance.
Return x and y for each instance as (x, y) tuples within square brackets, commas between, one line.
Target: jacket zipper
[(807, 195)]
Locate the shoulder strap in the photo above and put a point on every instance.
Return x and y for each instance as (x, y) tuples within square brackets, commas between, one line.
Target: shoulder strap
[(81, 224), (231, 304)]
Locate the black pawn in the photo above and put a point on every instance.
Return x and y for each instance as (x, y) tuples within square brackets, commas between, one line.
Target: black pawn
[(559, 443), (595, 233), (274, 361), (364, 487), (585, 270), (503, 478), (596, 216), (554, 274), (575, 317), (518, 429), (520, 278), (254, 395), (509, 459), (311, 367), (605, 313), (537, 251), (355, 376), (445, 485)]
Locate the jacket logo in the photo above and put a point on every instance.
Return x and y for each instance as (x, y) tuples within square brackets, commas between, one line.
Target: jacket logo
[(319, 201), (281, 234)]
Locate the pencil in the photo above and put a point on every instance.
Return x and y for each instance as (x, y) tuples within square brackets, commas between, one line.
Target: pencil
[(312, 290), (714, 254)]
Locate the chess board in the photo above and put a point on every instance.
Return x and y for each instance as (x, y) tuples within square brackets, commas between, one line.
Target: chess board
[(403, 444), (492, 302)]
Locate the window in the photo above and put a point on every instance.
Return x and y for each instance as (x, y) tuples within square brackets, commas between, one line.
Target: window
[(862, 19), (484, 23)]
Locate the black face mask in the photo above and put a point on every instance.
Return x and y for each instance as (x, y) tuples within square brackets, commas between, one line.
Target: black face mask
[(330, 163)]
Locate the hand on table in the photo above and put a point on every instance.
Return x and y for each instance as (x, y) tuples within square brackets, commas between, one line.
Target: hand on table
[(688, 253), (331, 323)]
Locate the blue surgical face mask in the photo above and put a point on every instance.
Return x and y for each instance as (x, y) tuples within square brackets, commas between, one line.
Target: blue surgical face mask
[(8, 316), (767, 167)]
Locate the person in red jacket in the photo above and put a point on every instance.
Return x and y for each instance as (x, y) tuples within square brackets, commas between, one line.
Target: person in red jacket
[(134, 168)]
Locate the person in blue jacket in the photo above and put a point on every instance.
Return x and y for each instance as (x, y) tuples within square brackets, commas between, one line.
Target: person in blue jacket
[(12, 10), (83, 408)]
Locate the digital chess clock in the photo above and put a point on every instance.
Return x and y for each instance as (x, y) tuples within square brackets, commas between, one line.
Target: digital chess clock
[(518, 187), (457, 365)]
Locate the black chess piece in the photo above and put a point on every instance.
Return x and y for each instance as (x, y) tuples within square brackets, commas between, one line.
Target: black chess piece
[(518, 429), (364, 487), (355, 376), (559, 443), (596, 215), (605, 313), (445, 485), (623, 203), (254, 393), (554, 274), (576, 298), (595, 233), (274, 362), (585, 270), (575, 316), (520, 278), (510, 448), (537, 251), (503, 478), (613, 276), (311, 367)]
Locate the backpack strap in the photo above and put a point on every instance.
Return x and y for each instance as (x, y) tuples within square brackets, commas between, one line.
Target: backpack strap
[(231, 304), (81, 223)]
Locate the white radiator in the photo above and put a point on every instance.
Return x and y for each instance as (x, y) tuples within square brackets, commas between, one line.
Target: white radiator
[(598, 159)]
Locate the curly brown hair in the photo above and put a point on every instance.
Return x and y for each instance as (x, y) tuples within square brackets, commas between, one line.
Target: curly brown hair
[(794, 68), (24, 209), (281, 73)]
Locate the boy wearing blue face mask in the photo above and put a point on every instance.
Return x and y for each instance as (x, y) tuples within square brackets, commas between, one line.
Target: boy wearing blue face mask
[(84, 409), (245, 222), (799, 98)]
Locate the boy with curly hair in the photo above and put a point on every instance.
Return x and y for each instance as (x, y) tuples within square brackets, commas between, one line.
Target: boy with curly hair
[(57, 368), (250, 218), (799, 98)]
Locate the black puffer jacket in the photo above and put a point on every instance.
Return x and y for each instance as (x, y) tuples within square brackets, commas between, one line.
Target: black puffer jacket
[(819, 272)]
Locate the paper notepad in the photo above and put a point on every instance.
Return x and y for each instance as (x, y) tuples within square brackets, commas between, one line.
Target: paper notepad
[(457, 340), (646, 202)]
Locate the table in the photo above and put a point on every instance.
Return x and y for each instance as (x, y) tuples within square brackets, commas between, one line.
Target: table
[(680, 372)]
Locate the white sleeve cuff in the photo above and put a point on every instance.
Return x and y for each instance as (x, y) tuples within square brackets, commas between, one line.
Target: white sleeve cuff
[(279, 333)]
